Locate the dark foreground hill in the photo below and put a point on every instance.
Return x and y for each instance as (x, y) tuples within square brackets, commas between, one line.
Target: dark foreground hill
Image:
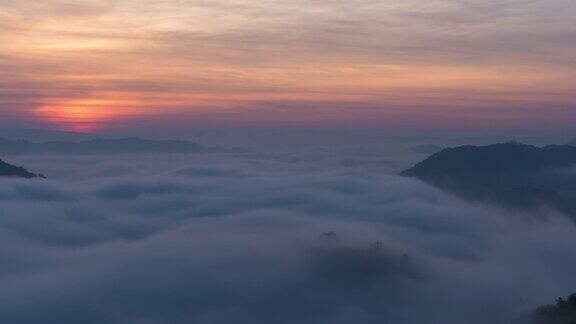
[(511, 175), (9, 170), (561, 312), (107, 146)]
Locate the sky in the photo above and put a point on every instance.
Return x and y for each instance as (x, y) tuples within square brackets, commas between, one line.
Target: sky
[(95, 65)]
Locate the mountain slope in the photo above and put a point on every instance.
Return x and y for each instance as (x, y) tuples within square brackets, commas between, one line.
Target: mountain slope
[(511, 175), (9, 170)]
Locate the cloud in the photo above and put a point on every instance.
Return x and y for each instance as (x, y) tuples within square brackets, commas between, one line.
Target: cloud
[(135, 190), (54, 9), (211, 172), (286, 62), (237, 239), (35, 191)]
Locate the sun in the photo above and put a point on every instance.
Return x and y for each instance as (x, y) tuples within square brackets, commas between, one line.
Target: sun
[(83, 115)]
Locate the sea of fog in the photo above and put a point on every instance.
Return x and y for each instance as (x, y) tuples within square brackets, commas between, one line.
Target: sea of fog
[(321, 234)]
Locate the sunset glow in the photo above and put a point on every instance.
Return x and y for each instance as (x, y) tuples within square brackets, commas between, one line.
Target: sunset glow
[(290, 62), (84, 114)]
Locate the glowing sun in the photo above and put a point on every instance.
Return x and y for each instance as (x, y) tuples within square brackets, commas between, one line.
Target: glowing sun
[(83, 114)]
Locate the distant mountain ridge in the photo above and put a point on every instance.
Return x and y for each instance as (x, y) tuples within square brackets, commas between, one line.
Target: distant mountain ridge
[(107, 146), (496, 157), (45, 135), (510, 174), (9, 170)]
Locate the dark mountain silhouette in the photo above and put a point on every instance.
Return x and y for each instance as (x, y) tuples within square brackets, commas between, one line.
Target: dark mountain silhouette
[(107, 146), (562, 312), (511, 175), (9, 170)]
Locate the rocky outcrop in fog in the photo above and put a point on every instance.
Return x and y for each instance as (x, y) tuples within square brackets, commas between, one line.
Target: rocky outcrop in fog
[(9, 170)]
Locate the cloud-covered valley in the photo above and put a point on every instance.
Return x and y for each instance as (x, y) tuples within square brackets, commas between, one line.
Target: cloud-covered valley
[(248, 238)]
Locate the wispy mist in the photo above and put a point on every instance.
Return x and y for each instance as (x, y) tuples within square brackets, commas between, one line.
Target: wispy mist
[(238, 238)]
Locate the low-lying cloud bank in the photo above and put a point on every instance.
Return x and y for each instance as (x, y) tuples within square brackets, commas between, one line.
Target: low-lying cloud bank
[(240, 240)]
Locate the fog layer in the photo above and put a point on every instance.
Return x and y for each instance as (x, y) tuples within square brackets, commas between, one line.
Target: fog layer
[(260, 238)]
